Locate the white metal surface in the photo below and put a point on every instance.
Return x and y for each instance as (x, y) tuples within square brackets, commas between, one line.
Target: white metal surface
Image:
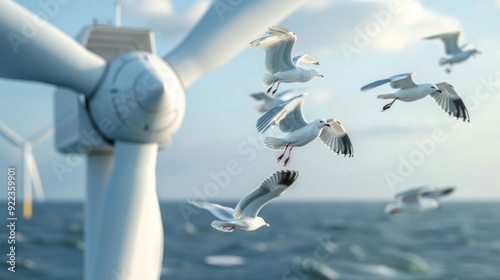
[(130, 242), (75, 132), (29, 45), (140, 99), (98, 169)]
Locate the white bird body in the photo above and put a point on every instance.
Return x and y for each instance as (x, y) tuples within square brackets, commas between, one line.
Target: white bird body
[(457, 57), (289, 118), (296, 75), (245, 224), (443, 93), (244, 215), (418, 200), (415, 208), (304, 135), (454, 53), (280, 66), (411, 94)]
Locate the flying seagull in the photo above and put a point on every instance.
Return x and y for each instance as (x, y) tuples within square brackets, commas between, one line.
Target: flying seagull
[(443, 93), (417, 200), (267, 102), (280, 66), (289, 118), (454, 53), (244, 215)]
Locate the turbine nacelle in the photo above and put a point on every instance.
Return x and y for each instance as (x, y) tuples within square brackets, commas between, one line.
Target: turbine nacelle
[(139, 99)]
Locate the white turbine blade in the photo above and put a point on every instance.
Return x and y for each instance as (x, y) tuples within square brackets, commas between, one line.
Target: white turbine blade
[(98, 169), (10, 135), (225, 29), (41, 135), (35, 177), (130, 219), (32, 49)]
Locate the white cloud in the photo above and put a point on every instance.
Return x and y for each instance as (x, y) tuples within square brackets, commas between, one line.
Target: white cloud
[(368, 25), (162, 16), (412, 24)]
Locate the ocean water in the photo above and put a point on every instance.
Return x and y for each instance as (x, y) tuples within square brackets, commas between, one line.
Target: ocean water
[(305, 241)]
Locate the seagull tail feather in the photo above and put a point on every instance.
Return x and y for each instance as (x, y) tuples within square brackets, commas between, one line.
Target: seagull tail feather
[(269, 79), (386, 96), (274, 143), (443, 61)]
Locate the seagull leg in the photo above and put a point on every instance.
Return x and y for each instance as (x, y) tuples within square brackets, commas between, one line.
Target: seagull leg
[(282, 155), (388, 105), (288, 158), (448, 69), (274, 91), (271, 87)]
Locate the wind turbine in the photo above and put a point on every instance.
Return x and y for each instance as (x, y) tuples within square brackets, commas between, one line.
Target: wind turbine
[(31, 177), (135, 102)]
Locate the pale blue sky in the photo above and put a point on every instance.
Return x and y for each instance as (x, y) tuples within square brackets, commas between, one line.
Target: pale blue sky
[(219, 123)]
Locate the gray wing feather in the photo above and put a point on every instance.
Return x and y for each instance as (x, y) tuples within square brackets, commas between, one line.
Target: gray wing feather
[(261, 96), (336, 139), (276, 59), (282, 94), (288, 115), (411, 195), (304, 60), (450, 41), (375, 84), (293, 121), (277, 30), (272, 187), (402, 81), (397, 81), (438, 192), (221, 212), (449, 100), (278, 46)]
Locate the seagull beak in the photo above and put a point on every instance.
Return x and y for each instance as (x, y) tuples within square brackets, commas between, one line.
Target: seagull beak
[(327, 124), (440, 91), (267, 225), (321, 75)]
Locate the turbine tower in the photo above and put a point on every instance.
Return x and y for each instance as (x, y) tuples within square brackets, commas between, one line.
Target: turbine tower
[(31, 177), (129, 106)]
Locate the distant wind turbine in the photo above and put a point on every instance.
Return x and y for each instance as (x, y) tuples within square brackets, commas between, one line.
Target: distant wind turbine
[(31, 177)]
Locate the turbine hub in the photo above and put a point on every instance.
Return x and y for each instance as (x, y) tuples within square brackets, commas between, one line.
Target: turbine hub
[(140, 99)]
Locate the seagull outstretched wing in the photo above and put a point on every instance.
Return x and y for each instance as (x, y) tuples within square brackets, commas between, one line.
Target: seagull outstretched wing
[(278, 46), (450, 102), (272, 187)]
